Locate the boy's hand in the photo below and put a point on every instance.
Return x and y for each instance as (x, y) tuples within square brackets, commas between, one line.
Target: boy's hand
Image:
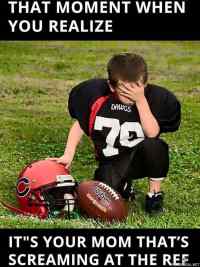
[(66, 160), (132, 91)]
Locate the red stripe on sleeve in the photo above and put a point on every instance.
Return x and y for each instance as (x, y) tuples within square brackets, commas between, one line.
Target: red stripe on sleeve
[(94, 109)]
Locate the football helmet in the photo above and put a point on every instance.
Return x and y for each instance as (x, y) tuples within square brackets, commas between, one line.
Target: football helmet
[(45, 189)]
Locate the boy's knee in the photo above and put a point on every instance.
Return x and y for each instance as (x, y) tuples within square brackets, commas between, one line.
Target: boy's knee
[(156, 157), (155, 146)]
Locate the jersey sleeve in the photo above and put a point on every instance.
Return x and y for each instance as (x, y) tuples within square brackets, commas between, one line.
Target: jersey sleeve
[(167, 110), (81, 99)]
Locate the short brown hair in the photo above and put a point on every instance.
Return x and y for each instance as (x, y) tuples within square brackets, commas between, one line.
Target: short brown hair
[(127, 67)]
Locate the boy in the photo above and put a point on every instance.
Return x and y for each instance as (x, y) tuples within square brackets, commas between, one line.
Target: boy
[(124, 116)]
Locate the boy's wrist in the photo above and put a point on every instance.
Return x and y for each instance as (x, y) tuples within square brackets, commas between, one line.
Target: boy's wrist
[(141, 101), (69, 152)]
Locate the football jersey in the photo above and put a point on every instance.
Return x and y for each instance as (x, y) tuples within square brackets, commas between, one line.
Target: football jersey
[(114, 127)]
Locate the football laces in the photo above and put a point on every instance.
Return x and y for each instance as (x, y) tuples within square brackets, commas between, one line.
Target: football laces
[(110, 190)]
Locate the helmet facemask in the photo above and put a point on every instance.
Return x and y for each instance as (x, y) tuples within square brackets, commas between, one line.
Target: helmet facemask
[(60, 198)]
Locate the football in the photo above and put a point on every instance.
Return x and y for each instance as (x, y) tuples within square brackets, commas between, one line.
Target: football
[(100, 201)]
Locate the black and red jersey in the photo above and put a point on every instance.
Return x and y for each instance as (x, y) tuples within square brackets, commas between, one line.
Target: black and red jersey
[(115, 127)]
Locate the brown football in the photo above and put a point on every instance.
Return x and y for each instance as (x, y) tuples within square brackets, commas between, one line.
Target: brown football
[(100, 201)]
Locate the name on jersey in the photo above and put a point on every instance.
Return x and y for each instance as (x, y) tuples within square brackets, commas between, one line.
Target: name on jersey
[(121, 107)]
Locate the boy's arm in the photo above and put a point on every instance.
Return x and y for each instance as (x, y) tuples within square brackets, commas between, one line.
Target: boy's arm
[(74, 138), (148, 121)]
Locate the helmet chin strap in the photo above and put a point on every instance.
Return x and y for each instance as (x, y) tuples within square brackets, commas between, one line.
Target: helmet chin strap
[(14, 209), (19, 211)]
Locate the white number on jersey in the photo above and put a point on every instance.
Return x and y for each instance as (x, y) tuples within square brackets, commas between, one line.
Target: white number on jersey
[(116, 130)]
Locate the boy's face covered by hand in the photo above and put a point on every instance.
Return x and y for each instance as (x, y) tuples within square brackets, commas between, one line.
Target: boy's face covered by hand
[(130, 93)]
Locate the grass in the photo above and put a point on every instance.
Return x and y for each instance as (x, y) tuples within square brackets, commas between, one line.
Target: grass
[(35, 78)]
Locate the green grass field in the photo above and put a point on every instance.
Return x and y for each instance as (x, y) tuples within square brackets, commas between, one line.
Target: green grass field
[(35, 78)]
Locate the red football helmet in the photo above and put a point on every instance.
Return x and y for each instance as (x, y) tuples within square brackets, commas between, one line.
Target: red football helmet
[(45, 189)]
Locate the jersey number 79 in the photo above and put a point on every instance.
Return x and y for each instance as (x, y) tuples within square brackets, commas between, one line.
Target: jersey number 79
[(123, 131)]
